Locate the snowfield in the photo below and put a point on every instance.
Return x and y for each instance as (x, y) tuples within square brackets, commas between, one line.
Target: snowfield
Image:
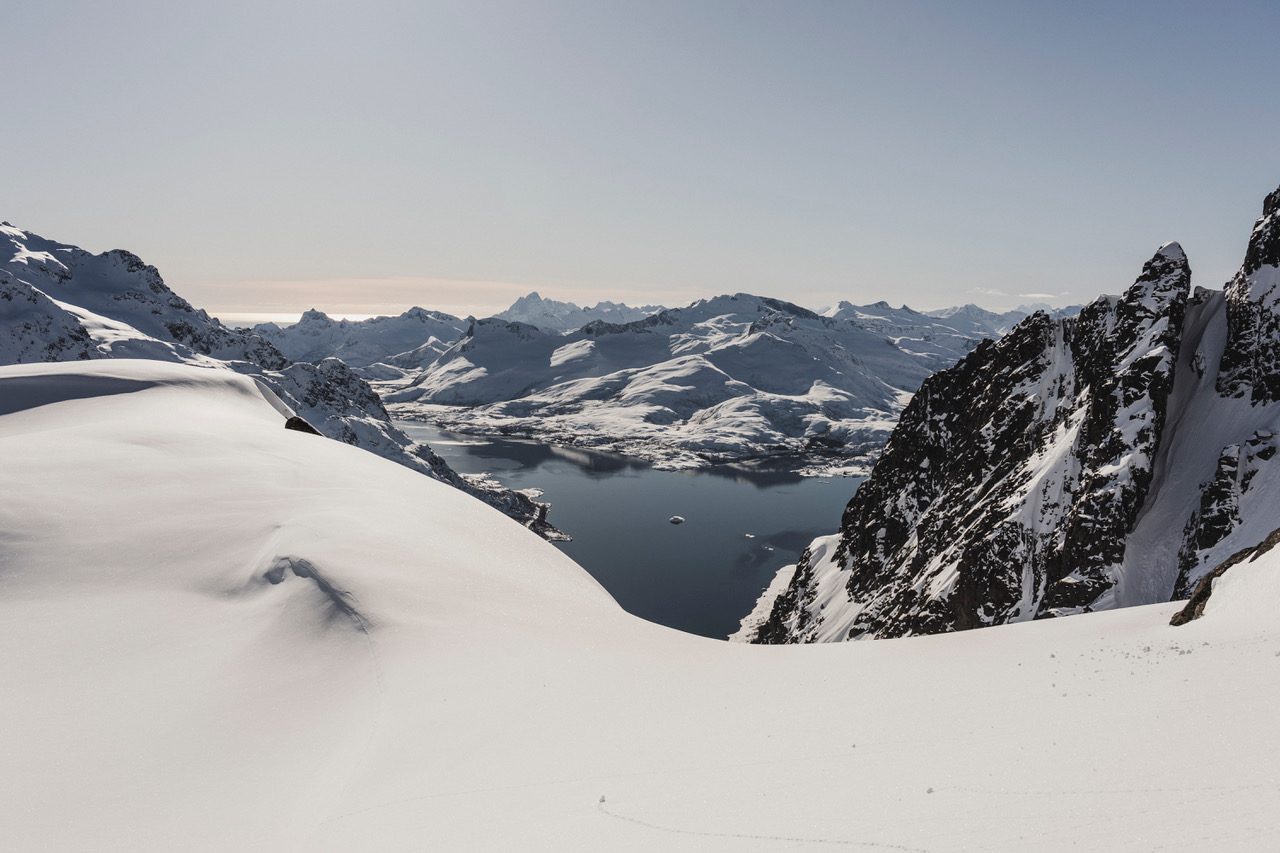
[(216, 633)]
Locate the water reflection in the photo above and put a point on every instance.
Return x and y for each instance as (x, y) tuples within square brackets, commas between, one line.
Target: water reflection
[(742, 522)]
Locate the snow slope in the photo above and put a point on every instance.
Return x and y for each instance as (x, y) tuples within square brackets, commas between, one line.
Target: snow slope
[(219, 634), (726, 379), (59, 302)]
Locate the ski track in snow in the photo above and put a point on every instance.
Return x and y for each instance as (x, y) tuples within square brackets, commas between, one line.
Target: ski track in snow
[(747, 836)]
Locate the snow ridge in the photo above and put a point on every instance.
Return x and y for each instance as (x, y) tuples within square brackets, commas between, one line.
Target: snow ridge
[(59, 302)]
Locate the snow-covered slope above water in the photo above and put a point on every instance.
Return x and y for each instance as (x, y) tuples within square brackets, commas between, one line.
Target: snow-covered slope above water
[(726, 379), (218, 634), (59, 302)]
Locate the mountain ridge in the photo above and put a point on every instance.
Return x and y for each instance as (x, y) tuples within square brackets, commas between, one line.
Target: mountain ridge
[(1077, 464)]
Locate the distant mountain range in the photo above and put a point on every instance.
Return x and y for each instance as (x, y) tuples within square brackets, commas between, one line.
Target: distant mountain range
[(733, 378), (553, 316)]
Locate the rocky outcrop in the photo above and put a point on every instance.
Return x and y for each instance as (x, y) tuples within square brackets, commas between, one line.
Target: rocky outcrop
[(1219, 512), (1010, 481), (1102, 461), (1251, 361), (1194, 608)]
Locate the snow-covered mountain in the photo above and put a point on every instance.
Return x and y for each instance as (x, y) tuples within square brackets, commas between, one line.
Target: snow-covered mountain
[(59, 303), (219, 634), (361, 343), (730, 378), (976, 320), (551, 315), (1081, 464)]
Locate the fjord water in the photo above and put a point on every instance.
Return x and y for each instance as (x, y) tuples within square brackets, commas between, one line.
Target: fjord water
[(702, 576)]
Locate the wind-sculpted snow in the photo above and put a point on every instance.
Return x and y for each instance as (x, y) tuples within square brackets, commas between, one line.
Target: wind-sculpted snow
[(1106, 460), (219, 634), (731, 378), (59, 302)]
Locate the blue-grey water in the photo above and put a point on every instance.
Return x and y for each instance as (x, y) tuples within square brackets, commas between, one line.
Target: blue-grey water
[(702, 576)]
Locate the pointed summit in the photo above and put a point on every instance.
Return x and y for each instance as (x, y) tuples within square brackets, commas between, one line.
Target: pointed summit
[(1264, 242), (314, 315), (1167, 274), (1172, 250), (1251, 360)]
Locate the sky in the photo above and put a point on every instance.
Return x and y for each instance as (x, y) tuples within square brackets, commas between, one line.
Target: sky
[(362, 158)]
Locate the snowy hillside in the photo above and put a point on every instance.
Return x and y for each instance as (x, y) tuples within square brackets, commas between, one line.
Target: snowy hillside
[(361, 343), (59, 303), (551, 315), (220, 634), (1083, 464), (731, 378)]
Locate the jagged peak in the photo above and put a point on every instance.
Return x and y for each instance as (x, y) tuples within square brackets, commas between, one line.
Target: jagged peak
[(1264, 242), (1271, 203), (417, 312), (1167, 272), (314, 315)]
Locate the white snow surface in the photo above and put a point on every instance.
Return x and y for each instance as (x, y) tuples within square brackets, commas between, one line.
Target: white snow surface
[(217, 634)]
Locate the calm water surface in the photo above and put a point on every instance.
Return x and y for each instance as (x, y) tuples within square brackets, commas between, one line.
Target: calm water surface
[(701, 576)]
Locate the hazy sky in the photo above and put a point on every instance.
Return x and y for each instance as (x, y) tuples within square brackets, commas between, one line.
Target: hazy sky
[(365, 157)]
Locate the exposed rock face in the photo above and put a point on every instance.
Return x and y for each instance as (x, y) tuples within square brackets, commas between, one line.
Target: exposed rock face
[(1074, 465), (297, 424), (1251, 362), (1219, 511), (1204, 588), (36, 329), (59, 302)]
